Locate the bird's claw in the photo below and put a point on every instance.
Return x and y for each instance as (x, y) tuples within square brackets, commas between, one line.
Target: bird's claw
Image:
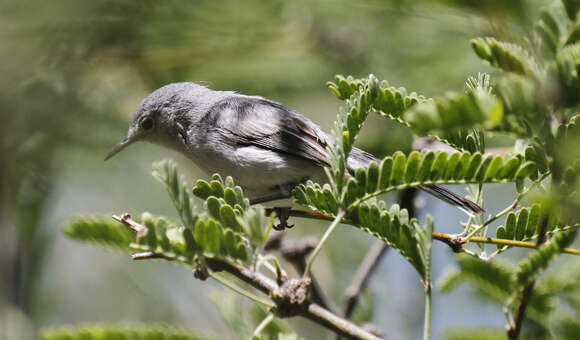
[(283, 215)]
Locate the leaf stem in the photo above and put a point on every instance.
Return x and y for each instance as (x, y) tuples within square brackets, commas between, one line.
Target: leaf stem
[(511, 207), (427, 325), (491, 220), (241, 291), (449, 239), (316, 250), (263, 325)]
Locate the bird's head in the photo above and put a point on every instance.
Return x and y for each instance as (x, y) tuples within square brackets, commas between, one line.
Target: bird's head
[(161, 116)]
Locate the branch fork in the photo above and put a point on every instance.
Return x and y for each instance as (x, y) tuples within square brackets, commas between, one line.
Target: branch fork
[(291, 297)]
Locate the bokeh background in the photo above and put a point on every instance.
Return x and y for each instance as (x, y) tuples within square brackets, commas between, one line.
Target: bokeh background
[(72, 73)]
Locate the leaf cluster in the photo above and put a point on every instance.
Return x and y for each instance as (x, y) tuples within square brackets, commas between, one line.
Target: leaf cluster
[(399, 231), (100, 230), (227, 228), (494, 280), (521, 225), (225, 202), (399, 172), (531, 267), (385, 99)]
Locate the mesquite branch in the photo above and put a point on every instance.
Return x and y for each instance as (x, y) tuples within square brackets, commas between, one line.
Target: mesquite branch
[(290, 298), (295, 252)]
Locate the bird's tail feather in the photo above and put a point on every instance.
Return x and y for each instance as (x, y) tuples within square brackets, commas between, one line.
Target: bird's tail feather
[(452, 198), (359, 158)]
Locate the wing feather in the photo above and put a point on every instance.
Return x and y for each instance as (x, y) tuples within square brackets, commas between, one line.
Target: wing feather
[(245, 120)]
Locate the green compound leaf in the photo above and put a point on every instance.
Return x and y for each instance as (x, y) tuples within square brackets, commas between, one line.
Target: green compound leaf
[(226, 204), (228, 228), (523, 224), (446, 116), (100, 230), (165, 237), (494, 279), (399, 172), (394, 227), (110, 332), (567, 66), (531, 267), (178, 190), (475, 334), (507, 56), (386, 99), (225, 192)]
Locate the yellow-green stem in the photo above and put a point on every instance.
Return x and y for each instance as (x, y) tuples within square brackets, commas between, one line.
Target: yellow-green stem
[(427, 325), (327, 233), (263, 325), (241, 291)]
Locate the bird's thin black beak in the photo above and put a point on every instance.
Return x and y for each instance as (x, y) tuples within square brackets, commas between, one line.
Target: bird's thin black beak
[(117, 148)]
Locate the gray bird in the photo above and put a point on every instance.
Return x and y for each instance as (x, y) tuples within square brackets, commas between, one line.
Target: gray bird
[(266, 147)]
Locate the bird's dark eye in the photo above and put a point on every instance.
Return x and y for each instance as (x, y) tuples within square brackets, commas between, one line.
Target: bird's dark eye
[(146, 123)]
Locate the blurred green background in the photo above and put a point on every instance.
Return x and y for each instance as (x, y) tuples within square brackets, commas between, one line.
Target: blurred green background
[(72, 72)]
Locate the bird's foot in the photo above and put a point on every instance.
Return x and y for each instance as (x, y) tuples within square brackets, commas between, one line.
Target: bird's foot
[(283, 214)]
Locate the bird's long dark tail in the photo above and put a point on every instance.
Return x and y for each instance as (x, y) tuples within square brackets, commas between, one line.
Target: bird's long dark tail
[(359, 158), (451, 198)]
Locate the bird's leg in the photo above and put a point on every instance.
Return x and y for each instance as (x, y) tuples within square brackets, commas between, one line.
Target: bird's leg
[(281, 212), (283, 215)]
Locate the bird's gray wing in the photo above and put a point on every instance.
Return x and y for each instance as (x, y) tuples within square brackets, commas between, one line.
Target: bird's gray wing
[(255, 121)]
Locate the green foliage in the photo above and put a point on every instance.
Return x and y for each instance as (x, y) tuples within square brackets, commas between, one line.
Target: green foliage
[(347, 126), (507, 56), (399, 172), (572, 8), (567, 72), (242, 318), (228, 228), (396, 228), (165, 237), (520, 226), (108, 332), (225, 202), (455, 111), (101, 230), (495, 280), (533, 97), (386, 99), (566, 328), (531, 267), (232, 194), (475, 334), (178, 190)]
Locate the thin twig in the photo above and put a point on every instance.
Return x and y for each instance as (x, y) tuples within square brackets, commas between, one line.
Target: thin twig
[(325, 237), (452, 240), (455, 243), (344, 327), (241, 291), (511, 207), (295, 252), (364, 272), (263, 325)]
